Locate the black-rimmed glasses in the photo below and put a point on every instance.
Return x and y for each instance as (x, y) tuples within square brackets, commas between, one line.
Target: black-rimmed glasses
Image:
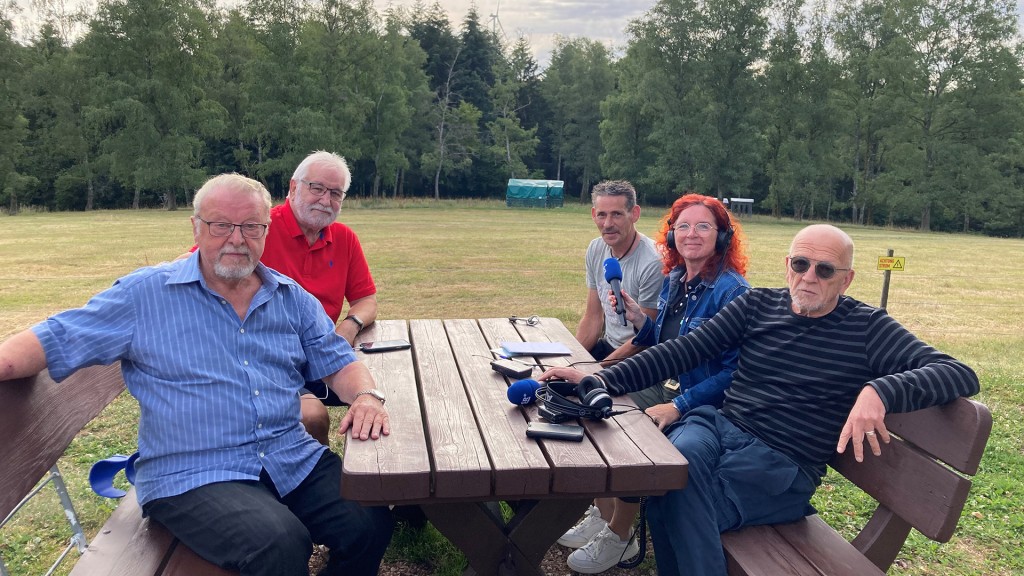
[(531, 321), (318, 189), (823, 270), (222, 229)]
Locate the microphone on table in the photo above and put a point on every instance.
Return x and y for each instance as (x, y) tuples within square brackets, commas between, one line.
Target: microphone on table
[(613, 275), (523, 392)]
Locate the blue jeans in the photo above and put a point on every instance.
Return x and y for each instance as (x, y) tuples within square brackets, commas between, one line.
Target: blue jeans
[(735, 480)]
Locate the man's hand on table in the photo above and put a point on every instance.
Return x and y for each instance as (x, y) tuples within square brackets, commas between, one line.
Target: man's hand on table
[(367, 417)]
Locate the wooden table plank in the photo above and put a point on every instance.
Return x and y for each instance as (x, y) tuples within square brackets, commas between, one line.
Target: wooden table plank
[(577, 467), (395, 468), (659, 465), (519, 469), (461, 466)]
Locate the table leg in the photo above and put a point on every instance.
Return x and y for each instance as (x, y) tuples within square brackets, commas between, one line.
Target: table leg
[(493, 546)]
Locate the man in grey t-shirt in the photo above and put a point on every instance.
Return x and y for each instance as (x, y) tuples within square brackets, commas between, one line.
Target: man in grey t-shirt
[(615, 212)]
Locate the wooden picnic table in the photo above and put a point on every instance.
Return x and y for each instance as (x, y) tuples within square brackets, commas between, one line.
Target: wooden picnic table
[(458, 447)]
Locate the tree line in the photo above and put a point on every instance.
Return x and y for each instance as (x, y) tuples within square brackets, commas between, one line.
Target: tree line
[(894, 112)]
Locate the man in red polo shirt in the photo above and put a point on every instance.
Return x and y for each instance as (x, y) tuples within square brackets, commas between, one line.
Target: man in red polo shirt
[(305, 243)]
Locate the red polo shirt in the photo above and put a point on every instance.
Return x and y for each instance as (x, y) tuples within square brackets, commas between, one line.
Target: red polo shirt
[(333, 269)]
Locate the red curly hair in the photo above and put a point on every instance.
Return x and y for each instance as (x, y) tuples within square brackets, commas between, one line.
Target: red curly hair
[(736, 256)]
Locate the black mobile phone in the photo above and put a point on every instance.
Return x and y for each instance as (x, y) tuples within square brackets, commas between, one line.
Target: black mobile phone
[(384, 346), (572, 432), (512, 368)]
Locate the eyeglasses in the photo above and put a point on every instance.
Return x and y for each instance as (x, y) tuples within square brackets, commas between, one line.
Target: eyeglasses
[(823, 270), (221, 229), (531, 321), (318, 189), (702, 228)]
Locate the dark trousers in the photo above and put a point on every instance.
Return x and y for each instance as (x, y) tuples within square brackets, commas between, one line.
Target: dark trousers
[(601, 349), (247, 526)]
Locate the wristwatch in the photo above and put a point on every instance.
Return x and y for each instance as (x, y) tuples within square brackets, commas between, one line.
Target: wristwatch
[(355, 319), (374, 392)]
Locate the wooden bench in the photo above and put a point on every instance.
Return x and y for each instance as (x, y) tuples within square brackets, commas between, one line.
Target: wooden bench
[(38, 420), (920, 481)]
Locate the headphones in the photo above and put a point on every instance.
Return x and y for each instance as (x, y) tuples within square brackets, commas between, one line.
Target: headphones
[(594, 404), (722, 239)]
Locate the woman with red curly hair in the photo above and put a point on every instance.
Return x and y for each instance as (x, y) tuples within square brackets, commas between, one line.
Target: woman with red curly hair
[(704, 263)]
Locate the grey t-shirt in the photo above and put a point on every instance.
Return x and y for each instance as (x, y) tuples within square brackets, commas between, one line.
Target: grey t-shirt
[(641, 279)]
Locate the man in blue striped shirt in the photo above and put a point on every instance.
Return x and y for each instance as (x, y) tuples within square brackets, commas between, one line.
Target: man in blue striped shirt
[(817, 373), (215, 348)]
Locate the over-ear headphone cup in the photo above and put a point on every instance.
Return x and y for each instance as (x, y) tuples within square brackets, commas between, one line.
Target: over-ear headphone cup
[(670, 239), (723, 239)]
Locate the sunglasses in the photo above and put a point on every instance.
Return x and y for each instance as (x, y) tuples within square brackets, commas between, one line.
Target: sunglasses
[(823, 270)]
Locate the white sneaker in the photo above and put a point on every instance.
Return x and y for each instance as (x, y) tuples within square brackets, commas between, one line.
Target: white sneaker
[(602, 553), (584, 530)]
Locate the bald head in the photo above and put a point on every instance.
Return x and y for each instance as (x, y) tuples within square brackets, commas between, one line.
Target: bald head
[(826, 255), (826, 235)]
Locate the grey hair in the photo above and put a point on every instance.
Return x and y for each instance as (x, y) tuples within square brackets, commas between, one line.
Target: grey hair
[(236, 182), (615, 188), (328, 159)]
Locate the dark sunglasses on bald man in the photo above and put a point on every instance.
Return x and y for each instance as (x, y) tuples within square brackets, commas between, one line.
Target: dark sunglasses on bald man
[(823, 270)]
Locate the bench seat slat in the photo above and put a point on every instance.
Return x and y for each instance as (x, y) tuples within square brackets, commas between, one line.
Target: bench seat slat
[(922, 491), (42, 417), (807, 547), (127, 545), (955, 433)]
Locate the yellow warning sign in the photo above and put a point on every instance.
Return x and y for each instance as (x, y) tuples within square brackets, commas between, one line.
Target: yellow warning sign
[(894, 263)]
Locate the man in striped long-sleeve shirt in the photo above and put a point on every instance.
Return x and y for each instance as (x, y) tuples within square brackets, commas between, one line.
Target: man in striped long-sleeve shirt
[(817, 372)]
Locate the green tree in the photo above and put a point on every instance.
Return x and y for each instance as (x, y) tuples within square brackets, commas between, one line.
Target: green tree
[(579, 77), (156, 59), (402, 91), (13, 124)]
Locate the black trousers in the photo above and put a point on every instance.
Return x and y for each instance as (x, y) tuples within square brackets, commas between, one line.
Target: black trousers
[(247, 526)]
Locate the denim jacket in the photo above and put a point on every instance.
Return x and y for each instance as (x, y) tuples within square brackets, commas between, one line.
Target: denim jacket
[(705, 384)]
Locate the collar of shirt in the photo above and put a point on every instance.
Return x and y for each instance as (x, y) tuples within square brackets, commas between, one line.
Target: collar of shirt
[(286, 217)]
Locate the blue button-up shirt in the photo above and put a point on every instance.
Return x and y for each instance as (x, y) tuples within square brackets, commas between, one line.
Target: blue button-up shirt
[(218, 395)]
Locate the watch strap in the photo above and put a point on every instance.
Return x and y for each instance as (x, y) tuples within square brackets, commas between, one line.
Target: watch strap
[(355, 319), (375, 393)]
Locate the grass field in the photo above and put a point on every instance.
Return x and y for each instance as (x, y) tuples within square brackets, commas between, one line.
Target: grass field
[(480, 259)]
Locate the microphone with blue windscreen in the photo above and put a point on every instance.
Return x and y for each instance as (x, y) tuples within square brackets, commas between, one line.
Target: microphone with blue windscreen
[(613, 275)]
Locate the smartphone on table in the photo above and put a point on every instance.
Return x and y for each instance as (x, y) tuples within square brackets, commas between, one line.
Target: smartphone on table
[(573, 432), (384, 346)]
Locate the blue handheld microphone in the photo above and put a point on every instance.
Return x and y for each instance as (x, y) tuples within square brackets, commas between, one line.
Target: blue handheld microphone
[(613, 275), (523, 392)]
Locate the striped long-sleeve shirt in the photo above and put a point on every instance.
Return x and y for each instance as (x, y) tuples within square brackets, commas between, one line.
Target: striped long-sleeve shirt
[(798, 377)]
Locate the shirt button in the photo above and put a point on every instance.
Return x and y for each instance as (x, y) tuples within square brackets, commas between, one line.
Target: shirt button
[(223, 301), (261, 454), (257, 392), (259, 426), (245, 362), (241, 330)]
